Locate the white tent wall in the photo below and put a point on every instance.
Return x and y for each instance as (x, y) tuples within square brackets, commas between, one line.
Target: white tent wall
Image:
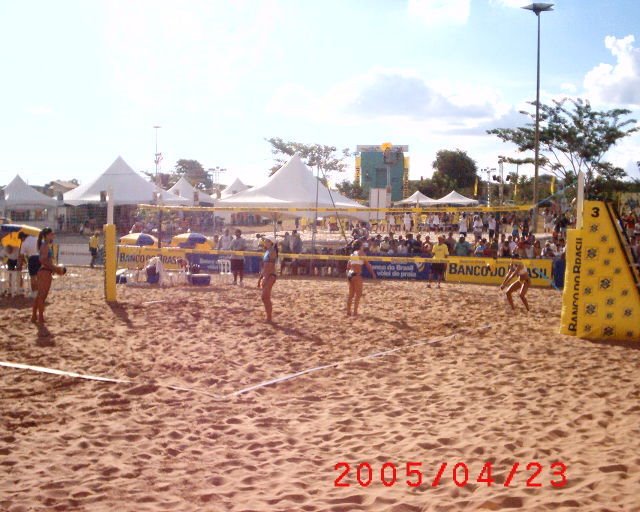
[(295, 186), (129, 188), (184, 189), (24, 204)]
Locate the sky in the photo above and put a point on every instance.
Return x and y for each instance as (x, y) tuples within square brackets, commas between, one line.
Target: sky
[(84, 82)]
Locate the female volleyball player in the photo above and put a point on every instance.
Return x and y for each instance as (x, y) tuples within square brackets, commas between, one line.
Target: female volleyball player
[(354, 276), (47, 268), (517, 270), (268, 275)]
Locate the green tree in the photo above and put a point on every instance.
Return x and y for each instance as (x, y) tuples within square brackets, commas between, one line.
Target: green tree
[(194, 173), (573, 137), (352, 190), (327, 158), (455, 169)]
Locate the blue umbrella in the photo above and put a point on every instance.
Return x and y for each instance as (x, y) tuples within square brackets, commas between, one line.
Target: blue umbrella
[(140, 239), (191, 241)]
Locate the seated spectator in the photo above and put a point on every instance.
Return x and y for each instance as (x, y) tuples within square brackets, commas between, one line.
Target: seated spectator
[(462, 248), (548, 251), (402, 250), (635, 248), (504, 251), (513, 244), (480, 248)]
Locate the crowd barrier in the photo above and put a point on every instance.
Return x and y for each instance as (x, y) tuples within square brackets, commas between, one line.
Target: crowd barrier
[(601, 298), (459, 269)]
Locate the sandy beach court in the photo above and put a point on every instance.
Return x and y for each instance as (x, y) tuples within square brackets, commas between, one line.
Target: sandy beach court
[(492, 388)]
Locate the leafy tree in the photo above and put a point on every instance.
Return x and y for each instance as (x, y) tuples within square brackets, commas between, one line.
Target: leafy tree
[(455, 169), (314, 155), (194, 173), (573, 137), (352, 190)]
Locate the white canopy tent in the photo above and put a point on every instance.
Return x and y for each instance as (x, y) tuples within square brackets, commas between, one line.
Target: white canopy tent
[(20, 196), (294, 186), (417, 198), (235, 187), (184, 189), (455, 199), (128, 188)]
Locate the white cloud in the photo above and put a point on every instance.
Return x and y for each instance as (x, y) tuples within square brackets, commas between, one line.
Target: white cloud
[(510, 3), (384, 94), (619, 83), (569, 87), (40, 110), (440, 12)]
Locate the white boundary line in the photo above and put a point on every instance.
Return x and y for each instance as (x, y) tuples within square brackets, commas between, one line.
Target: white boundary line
[(233, 394)]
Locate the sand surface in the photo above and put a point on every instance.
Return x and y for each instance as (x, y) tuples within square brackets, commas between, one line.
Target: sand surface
[(497, 387)]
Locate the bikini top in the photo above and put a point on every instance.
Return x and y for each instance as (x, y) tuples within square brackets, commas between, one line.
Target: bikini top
[(356, 259)]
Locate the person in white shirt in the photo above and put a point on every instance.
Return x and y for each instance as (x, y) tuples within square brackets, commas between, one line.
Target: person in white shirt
[(492, 226), (436, 222), (477, 228), (407, 222), (224, 244), (237, 260), (462, 225), (29, 252)]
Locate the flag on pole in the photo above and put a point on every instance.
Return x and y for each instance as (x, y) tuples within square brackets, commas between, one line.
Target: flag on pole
[(475, 188), (553, 184)]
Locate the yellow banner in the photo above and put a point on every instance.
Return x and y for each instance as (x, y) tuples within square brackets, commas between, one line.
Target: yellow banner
[(490, 271), (133, 257), (430, 209)]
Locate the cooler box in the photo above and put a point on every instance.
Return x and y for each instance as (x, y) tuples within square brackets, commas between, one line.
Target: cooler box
[(200, 279)]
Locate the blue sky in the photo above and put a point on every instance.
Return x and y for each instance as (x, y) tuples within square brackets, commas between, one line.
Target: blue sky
[(86, 81)]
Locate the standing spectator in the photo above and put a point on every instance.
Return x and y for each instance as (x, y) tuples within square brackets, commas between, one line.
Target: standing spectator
[(93, 248), (451, 242), (225, 240), (407, 222), (29, 251), (477, 228), (296, 248), (462, 225), (60, 222), (492, 226), (237, 260), (285, 247)]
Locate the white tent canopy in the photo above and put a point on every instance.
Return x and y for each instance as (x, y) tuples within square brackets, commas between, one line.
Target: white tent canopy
[(19, 195), (233, 189), (127, 185), (293, 186), (455, 199), (418, 198), (185, 189)]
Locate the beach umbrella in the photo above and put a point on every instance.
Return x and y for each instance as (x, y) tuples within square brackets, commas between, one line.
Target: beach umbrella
[(140, 239), (9, 233), (191, 241)]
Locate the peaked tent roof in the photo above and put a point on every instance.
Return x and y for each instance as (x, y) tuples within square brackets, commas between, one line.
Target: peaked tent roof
[(127, 185), (453, 198), (18, 194), (292, 186), (185, 189), (418, 198), (235, 187)]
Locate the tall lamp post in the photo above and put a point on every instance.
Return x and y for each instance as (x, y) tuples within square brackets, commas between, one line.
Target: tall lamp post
[(158, 156), (537, 8)]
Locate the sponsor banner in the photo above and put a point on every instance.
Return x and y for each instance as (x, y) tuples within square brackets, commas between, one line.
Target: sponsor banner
[(493, 271), (209, 262), (463, 270), (74, 254), (399, 270), (133, 257)]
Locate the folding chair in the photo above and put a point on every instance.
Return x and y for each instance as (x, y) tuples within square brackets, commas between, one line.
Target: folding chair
[(224, 269)]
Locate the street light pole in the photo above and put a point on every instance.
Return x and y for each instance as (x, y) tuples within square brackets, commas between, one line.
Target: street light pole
[(157, 155), (537, 8)]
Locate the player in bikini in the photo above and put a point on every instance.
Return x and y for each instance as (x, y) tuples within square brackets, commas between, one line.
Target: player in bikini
[(354, 276), (518, 270), (45, 273), (268, 275)]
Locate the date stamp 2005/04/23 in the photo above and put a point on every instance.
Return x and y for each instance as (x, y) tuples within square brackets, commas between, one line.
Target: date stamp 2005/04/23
[(412, 474)]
